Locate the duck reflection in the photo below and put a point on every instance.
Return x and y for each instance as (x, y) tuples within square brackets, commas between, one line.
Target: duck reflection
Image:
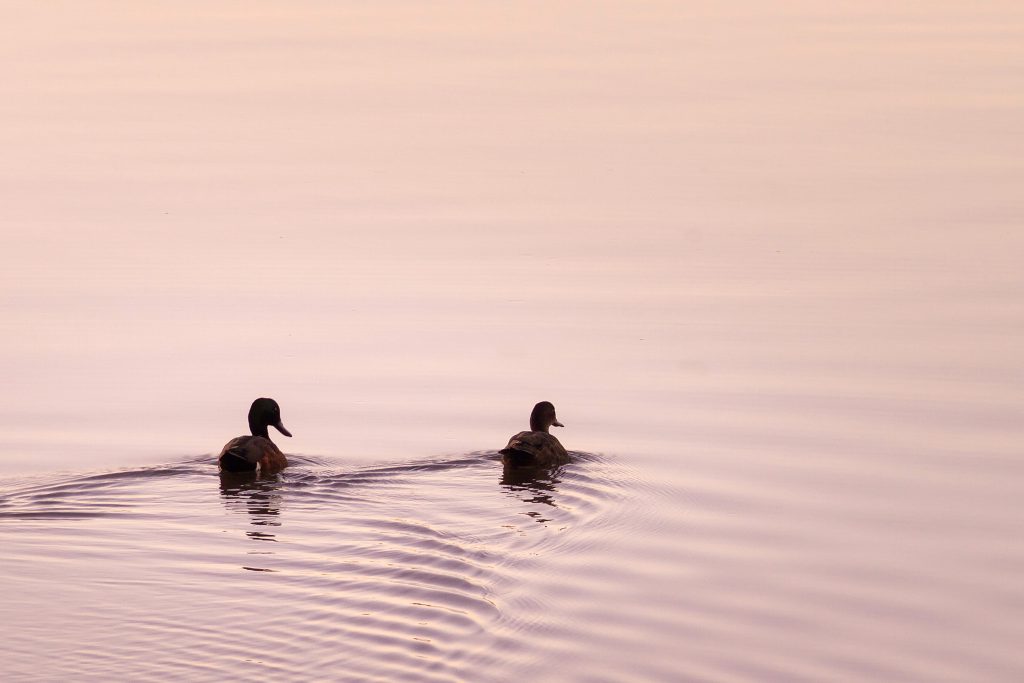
[(258, 497), (535, 486)]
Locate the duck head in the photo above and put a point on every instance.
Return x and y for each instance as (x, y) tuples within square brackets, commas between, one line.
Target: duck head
[(265, 413), (543, 417)]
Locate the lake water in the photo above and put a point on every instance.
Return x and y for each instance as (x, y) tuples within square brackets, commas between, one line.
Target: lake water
[(764, 260)]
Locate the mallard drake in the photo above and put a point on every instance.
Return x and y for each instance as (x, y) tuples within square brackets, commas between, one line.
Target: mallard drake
[(256, 453), (537, 447)]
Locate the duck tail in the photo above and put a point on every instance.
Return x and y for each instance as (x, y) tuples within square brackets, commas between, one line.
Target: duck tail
[(515, 458), (235, 461)]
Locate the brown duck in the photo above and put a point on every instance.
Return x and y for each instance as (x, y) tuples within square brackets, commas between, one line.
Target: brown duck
[(537, 447), (256, 453)]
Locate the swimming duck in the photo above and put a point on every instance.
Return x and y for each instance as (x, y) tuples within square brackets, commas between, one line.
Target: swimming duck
[(536, 448), (256, 453)]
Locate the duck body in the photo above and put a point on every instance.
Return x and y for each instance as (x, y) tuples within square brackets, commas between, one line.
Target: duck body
[(251, 454), (256, 452), (536, 447)]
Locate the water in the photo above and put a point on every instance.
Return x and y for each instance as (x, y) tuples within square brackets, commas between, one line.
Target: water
[(362, 574), (764, 261)]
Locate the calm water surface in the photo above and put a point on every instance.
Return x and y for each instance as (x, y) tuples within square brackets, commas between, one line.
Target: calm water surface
[(765, 261)]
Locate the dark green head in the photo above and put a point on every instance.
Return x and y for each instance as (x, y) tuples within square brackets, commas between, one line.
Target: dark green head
[(265, 413), (543, 417)]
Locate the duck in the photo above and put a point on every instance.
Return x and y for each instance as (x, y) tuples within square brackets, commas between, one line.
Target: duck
[(256, 452), (537, 447)]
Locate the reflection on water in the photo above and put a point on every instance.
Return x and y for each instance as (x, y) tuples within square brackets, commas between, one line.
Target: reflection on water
[(256, 496), (534, 486), (260, 498)]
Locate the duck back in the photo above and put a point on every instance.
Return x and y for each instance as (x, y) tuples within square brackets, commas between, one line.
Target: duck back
[(251, 454), (533, 449)]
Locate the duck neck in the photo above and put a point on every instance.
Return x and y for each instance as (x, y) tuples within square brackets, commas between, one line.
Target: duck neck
[(259, 430), (537, 426)]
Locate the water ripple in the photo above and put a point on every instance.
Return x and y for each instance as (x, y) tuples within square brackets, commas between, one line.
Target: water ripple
[(399, 571)]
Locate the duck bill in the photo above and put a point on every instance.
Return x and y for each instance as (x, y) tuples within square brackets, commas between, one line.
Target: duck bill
[(280, 427), (557, 424)]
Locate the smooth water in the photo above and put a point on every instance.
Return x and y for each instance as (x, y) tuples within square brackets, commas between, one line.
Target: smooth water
[(765, 261)]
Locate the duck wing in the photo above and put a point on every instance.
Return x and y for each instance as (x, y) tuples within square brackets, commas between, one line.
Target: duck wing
[(525, 442), (240, 447), (244, 453)]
